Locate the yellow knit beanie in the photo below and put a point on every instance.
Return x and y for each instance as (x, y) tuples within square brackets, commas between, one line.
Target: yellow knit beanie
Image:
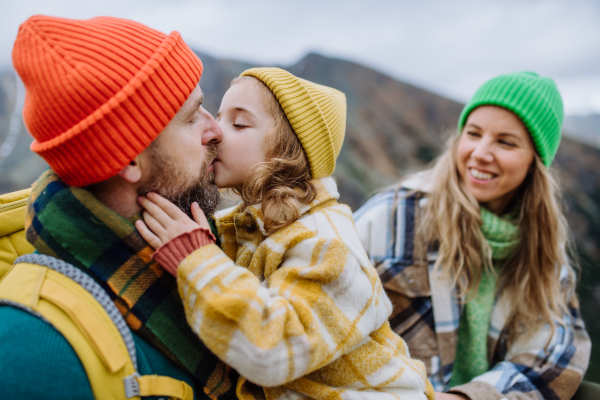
[(316, 113)]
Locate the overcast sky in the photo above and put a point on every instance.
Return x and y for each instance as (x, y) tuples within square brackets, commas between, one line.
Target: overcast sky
[(449, 47)]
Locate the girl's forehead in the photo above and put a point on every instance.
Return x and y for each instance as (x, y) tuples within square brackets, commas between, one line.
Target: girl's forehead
[(242, 96)]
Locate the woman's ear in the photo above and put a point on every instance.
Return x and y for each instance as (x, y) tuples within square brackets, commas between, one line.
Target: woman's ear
[(132, 172)]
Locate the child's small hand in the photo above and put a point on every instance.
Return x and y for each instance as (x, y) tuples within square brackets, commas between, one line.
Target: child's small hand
[(165, 221)]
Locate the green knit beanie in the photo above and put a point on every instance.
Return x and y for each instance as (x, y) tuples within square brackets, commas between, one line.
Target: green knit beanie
[(534, 99)]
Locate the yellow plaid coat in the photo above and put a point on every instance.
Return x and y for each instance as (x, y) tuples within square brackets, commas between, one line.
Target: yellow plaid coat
[(301, 313)]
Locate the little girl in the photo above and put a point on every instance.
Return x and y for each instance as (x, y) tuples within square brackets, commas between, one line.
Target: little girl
[(290, 300)]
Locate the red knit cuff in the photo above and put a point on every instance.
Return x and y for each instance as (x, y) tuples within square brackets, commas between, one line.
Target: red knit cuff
[(172, 253)]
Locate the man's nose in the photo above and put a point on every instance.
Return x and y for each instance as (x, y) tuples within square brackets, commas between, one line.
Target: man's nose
[(213, 133)]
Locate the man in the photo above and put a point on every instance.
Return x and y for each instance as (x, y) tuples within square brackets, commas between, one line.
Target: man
[(116, 110)]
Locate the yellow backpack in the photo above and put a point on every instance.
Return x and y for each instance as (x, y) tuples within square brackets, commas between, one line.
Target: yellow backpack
[(12, 233), (74, 304)]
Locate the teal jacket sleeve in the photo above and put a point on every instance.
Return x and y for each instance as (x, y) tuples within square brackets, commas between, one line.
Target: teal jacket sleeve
[(37, 362)]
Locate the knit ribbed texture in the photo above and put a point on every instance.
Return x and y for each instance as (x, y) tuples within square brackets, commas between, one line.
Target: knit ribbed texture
[(534, 99), (316, 113), (472, 350), (99, 91), (501, 234), (172, 253)]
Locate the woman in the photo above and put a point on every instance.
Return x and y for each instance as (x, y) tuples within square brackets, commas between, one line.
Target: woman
[(291, 300), (473, 253)]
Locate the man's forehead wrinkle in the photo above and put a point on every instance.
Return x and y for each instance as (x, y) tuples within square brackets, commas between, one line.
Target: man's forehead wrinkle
[(192, 107)]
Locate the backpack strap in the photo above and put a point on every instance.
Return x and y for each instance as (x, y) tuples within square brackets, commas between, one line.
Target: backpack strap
[(78, 307), (13, 210)]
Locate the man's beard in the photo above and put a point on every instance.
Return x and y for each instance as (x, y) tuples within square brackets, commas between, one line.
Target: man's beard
[(181, 186)]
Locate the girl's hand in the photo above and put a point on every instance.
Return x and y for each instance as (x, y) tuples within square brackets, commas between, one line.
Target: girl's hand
[(165, 221)]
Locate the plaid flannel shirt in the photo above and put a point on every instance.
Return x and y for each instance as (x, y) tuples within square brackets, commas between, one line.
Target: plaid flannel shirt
[(427, 313)]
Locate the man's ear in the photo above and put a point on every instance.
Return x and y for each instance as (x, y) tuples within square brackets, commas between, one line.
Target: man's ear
[(132, 172)]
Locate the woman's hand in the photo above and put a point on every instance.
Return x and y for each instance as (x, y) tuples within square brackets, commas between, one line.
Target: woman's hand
[(165, 221)]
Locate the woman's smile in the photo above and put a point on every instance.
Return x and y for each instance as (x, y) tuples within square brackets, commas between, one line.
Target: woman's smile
[(480, 176), (494, 155)]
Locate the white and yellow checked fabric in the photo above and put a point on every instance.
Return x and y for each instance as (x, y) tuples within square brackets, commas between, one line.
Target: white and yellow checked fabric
[(301, 313)]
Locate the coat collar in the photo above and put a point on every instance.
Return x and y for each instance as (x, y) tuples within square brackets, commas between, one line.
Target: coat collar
[(420, 181), (326, 191)]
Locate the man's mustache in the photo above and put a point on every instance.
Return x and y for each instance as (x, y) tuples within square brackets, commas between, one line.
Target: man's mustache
[(211, 154)]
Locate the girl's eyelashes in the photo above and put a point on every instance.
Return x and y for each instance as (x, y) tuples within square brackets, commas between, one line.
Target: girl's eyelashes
[(474, 134), (240, 126)]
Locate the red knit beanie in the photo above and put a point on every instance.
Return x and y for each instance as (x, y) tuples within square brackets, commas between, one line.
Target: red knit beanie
[(99, 91)]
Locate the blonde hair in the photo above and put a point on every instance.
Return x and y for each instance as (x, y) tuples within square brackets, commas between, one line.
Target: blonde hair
[(531, 276), (282, 183)]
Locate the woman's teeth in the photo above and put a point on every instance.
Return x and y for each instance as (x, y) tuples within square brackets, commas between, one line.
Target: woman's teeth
[(484, 176)]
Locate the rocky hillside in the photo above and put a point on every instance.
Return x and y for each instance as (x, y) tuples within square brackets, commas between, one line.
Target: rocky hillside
[(584, 129), (393, 128)]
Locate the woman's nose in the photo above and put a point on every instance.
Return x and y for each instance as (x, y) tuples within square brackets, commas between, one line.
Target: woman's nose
[(483, 151)]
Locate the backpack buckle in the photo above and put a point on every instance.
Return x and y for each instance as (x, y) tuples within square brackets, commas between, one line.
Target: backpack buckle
[(132, 386)]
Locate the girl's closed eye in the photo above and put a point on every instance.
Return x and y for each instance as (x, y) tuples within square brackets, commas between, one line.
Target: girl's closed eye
[(241, 122)]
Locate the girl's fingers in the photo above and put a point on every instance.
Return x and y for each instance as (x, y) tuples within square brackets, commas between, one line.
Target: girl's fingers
[(169, 208), (199, 216), (147, 234), (156, 227), (156, 210)]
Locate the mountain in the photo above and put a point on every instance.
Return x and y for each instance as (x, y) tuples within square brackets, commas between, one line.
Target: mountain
[(584, 129), (19, 167), (393, 128)]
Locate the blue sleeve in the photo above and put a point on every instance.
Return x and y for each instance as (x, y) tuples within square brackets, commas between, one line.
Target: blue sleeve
[(37, 362)]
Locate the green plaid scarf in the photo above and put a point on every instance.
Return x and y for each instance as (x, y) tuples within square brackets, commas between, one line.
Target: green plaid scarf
[(69, 223)]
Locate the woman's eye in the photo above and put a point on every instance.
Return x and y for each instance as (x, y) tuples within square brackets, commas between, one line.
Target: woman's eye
[(507, 143), (240, 126), (473, 134)]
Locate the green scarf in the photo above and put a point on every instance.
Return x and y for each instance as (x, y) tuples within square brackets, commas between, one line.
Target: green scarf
[(71, 224), (471, 350)]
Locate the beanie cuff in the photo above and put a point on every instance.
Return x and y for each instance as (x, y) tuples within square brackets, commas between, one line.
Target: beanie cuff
[(120, 129)]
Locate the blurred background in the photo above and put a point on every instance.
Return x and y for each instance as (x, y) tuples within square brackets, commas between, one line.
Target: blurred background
[(406, 68)]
